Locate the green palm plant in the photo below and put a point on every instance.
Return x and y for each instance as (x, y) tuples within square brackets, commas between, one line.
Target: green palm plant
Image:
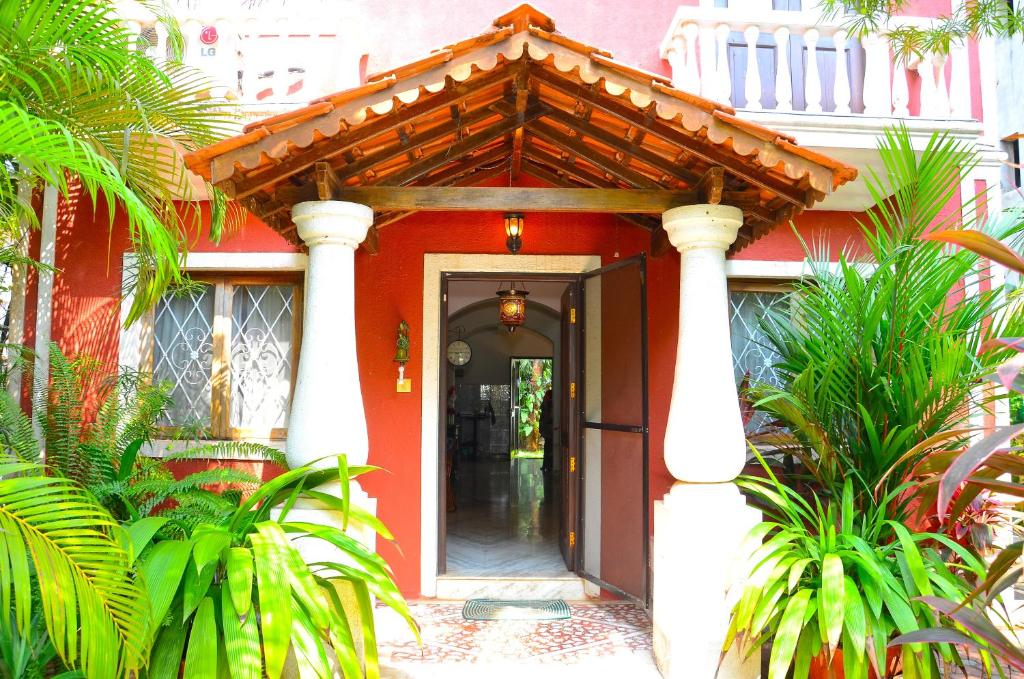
[(78, 98), (236, 598), (830, 577), (104, 452), (57, 540), (882, 354)]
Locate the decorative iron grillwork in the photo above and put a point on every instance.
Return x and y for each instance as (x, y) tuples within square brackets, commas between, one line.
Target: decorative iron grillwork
[(751, 355), (261, 355), (183, 355)]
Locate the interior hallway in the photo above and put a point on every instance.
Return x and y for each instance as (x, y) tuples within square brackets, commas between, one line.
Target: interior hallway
[(506, 521)]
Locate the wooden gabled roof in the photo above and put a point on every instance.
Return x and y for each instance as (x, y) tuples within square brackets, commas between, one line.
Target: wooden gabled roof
[(526, 99)]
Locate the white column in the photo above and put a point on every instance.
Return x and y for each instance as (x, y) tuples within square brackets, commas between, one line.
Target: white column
[(929, 96), (691, 77), (44, 302), (723, 75), (783, 74), (327, 416), (841, 87), (959, 83), (877, 81), (704, 450), (900, 90), (941, 90), (812, 81), (709, 88), (752, 86), (19, 276)]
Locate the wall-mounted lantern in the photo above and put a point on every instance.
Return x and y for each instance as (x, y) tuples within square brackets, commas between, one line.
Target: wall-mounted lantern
[(512, 306), (404, 385), (514, 223)]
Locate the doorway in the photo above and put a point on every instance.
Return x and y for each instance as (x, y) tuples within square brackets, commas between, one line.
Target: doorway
[(503, 514), (594, 537)]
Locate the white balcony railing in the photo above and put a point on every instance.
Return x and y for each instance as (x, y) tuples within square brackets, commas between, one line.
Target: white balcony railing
[(267, 56), (757, 58)]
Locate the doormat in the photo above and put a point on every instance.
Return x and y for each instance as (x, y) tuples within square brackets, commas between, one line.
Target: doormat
[(530, 609)]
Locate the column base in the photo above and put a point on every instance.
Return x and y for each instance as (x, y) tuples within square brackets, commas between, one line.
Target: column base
[(307, 510), (699, 536)]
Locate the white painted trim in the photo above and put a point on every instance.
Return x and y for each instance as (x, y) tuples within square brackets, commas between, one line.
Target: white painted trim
[(754, 268), (44, 297), (433, 266), (245, 261)]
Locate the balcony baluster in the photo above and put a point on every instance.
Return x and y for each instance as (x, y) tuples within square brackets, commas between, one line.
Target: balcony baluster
[(752, 85)]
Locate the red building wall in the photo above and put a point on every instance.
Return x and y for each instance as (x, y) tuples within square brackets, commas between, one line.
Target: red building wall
[(389, 288)]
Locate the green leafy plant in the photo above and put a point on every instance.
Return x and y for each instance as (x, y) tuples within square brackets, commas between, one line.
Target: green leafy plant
[(534, 380), (81, 103), (961, 476), (830, 577), (57, 541), (237, 596), (881, 354), (104, 451)]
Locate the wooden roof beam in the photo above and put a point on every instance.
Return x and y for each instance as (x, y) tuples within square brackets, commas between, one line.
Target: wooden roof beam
[(704, 150), (617, 143), (538, 155), (431, 136), (710, 186), (337, 145), (522, 96), (513, 199), (596, 158), (460, 148)]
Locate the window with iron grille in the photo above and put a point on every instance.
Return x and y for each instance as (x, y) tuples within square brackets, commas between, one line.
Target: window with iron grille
[(753, 359), (228, 349)]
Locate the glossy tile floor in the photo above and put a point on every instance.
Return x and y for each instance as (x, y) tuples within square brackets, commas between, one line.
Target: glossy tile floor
[(506, 521), (607, 639)]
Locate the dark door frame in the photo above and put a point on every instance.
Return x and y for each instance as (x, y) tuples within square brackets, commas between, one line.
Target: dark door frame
[(442, 384)]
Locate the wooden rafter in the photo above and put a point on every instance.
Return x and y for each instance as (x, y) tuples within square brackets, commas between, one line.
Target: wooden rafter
[(697, 147), (554, 136), (335, 146)]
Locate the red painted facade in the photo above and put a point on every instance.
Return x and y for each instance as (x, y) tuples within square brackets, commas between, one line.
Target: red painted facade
[(389, 286)]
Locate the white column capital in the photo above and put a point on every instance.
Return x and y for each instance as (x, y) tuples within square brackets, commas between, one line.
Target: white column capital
[(702, 226), (332, 222)]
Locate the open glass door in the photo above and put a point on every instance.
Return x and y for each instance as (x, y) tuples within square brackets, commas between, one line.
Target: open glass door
[(613, 546)]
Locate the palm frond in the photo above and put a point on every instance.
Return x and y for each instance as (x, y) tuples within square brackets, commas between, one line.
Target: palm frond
[(96, 615)]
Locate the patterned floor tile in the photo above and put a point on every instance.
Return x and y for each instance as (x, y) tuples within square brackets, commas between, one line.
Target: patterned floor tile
[(596, 638)]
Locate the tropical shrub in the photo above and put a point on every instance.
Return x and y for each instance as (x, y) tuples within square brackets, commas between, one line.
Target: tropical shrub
[(960, 477), (62, 558), (100, 447), (828, 577), (234, 597), (882, 353), (80, 102)]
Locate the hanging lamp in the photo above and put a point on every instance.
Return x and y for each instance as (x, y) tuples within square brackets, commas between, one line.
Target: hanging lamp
[(512, 306)]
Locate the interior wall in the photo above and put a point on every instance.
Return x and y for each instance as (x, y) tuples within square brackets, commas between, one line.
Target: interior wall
[(540, 336)]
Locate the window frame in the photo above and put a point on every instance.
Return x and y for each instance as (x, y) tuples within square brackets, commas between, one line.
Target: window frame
[(220, 428)]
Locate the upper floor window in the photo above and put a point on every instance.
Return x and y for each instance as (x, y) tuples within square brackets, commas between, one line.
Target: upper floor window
[(753, 360), (228, 348)]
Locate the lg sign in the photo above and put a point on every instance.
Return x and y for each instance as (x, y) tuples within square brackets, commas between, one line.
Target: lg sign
[(208, 36)]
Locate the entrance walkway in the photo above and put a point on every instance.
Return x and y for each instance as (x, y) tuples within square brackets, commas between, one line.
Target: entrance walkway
[(599, 640)]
